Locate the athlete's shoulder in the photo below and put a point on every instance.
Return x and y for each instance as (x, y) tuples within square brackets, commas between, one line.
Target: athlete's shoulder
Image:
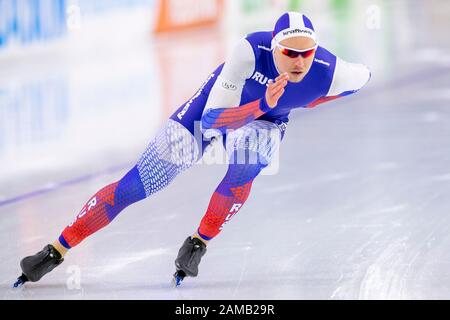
[(325, 60), (260, 41), (260, 37), (323, 67), (343, 77)]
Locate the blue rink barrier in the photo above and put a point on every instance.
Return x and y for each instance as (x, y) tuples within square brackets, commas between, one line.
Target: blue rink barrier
[(27, 21)]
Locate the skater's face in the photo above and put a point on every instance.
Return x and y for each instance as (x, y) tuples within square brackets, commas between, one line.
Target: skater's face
[(295, 56)]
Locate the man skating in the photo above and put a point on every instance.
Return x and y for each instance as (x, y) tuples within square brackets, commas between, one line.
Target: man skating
[(248, 97)]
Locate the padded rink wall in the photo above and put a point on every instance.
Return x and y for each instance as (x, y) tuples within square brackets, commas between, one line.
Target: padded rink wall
[(26, 21), (179, 15)]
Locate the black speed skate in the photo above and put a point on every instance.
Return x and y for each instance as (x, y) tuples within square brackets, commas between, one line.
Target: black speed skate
[(35, 267), (188, 259)]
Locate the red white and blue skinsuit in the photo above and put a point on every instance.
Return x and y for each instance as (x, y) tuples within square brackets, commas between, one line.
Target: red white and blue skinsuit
[(231, 101)]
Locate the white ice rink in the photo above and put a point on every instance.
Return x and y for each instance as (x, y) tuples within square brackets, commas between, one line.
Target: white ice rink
[(359, 208)]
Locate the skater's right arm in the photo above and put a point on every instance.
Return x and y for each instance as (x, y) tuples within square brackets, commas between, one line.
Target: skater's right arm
[(223, 119), (222, 110), (238, 67)]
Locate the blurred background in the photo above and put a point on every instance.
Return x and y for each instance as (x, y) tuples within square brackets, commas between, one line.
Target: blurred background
[(84, 82), (361, 193)]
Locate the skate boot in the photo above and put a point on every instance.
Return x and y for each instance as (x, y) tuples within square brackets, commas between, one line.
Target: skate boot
[(35, 267), (188, 259)]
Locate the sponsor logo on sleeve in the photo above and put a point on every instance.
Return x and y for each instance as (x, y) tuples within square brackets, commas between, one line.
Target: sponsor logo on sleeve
[(228, 85)]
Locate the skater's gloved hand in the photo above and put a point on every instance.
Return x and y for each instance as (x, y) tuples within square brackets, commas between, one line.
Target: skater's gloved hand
[(275, 89)]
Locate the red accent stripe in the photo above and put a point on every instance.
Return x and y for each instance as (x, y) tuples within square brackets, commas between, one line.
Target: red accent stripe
[(93, 219), (219, 208), (321, 100), (234, 118)]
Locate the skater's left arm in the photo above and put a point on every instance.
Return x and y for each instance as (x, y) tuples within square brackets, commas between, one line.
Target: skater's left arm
[(348, 78)]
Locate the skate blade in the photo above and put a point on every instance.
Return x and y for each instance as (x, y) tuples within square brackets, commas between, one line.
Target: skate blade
[(20, 282), (178, 278), (177, 281)]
